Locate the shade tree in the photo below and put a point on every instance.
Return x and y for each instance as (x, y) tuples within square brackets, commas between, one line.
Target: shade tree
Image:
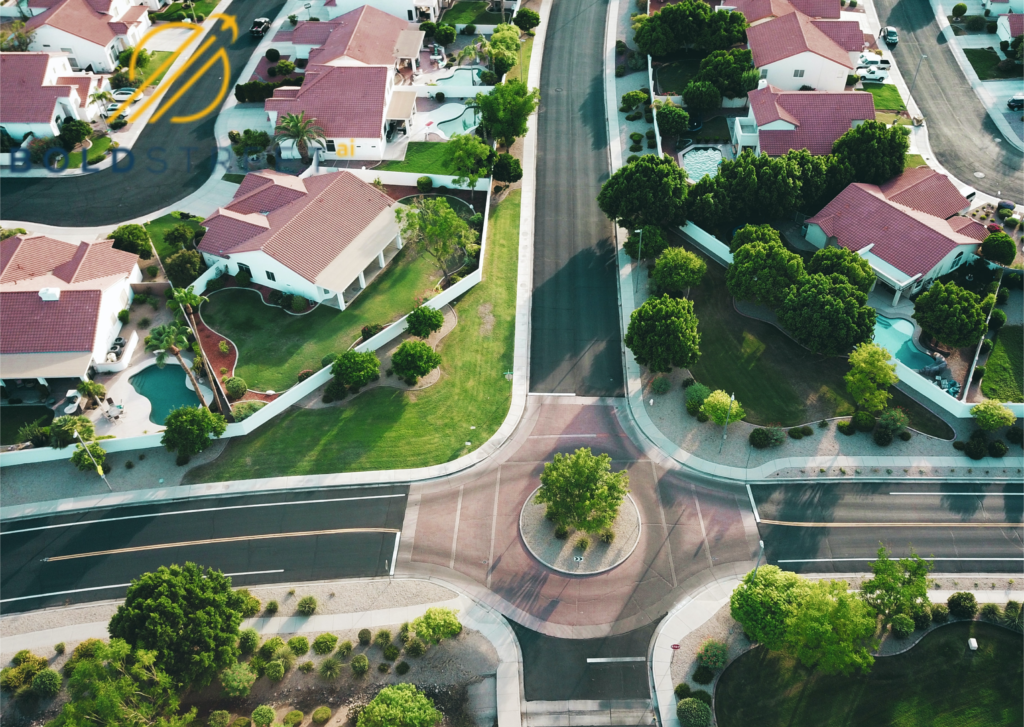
[(132, 238), (827, 314), (870, 376), (663, 333), (763, 601), (526, 19), (650, 190), (764, 271), (831, 630), (672, 120), (354, 369), (580, 491), (677, 270), (414, 359), (849, 264), (505, 110), (436, 230), (754, 233), (873, 151), (897, 586), (731, 71), (423, 320), (188, 430), (951, 314)]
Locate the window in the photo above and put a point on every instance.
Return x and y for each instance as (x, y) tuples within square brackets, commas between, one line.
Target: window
[(957, 260), (330, 145), (243, 268), (270, 277), (411, 18), (798, 74), (764, 73)]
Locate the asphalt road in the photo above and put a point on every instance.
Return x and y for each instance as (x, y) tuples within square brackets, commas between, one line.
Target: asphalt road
[(964, 528), (960, 131), (270, 539), (170, 160), (576, 341)]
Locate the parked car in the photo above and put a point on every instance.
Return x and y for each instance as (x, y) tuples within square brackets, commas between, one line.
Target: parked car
[(259, 28), (110, 109), (870, 60), (872, 74), (123, 94), (1016, 103), (889, 35)]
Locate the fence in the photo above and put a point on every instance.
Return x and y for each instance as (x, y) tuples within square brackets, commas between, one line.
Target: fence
[(708, 243)]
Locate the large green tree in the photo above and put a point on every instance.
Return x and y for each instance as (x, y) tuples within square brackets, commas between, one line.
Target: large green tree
[(468, 158), (663, 333), (688, 24), (831, 630), (672, 120), (650, 190), (414, 359), (701, 97), (999, 248), (845, 262), (399, 705), (827, 314), (676, 270), (355, 370), (874, 151), (436, 229), (755, 233), (188, 616), (870, 376), (581, 491), (423, 320), (991, 415), (505, 110), (763, 601), (731, 71), (134, 239), (951, 314), (191, 429), (897, 586), (764, 271)]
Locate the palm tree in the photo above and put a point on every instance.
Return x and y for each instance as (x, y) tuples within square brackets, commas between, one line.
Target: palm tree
[(469, 52), (186, 302), (101, 97), (171, 338), (92, 389), (303, 131)]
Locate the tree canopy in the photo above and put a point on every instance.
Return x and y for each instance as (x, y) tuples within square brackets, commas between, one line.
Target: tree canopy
[(399, 705), (468, 158), (702, 96), (999, 248), (663, 333), (764, 271), (507, 169), (437, 624), (688, 24), (754, 233), (991, 415), (731, 71), (762, 603), (951, 314), (898, 586), (190, 429), (874, 152), (672, 120), (647, 244), (132, 238), (581, 491), (434, 227), (847, 263), (676, 270), (526, 19), (722, 409), (870, 376), (188, 616), (355, 370), (650, 190), (423, 320), (827, 314), (414, 359), (505, 110), (831, 630)]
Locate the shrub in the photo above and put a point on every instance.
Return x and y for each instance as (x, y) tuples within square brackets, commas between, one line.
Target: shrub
[(940, 613), (307, 606), (299, 645), (391, 652), (959, 10), (806, 431), (703, 675), (991, 28), (321, 715), (1015, 435), (902, 626), (975, 23), (905, 435), (883, 437), (893, 420), (273, 55), (344, 648), (661, 385), (682, 690), (608, 537), (330, 668), (922, 618), (846, 427), (713, 654), (324, 644), (997, 320), (382, 638), (415, 647), (976, 449), (959, 446), (989, 612), (299, 304), (59, 648), (997, 449), (402, 668), (795, 433), (248, 641), (583, 542), (262, 716), (695, 397), (384, 667), (561, 532), (702, 416), (962, 604), (293, 718), (123, 315), (863, 421), (275, 671), (764, 437), (46, 683), (219, 718), (365, 636), (235, 387), (270, 646), (693, 713), (246, 409), (360, 664), (307, 667)]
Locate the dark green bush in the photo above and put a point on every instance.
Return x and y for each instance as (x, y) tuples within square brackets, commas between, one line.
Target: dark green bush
[(902, 626), (415, 647), (997, 449), (795, 433), (883, 437), (997, 320), (561, 531), (922, 617), (402, 668), (864, 421), (959, 446), (46, 683), (846, 428), (219, 718), (382, 638), (248, 640), (702, 417), (307, 606), (940, 613), (1015, 434), (703, 675), (701, 695), (905, 435), (693, 713), (976, 449), (661, 385), (365, 636), (270, 646), (321, 715), (344, 648), (806, 430), (299, 645), (391, 652), (976, 23), (384, 667), (682, 690), (989, 612), (293, 718), (962, 604), (324, 644), (235, 387), (360, 664)]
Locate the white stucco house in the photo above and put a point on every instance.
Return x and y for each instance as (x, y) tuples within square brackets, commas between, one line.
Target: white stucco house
[(761, 11), (1010, 26), (795, 51), (1002, 7), (413, 11), (60, 303), (909, 228), (91, 33), (362, 37), (312, 237)]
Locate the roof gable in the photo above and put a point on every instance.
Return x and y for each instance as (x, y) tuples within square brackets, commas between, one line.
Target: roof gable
[(820, 117), (926, 190), (29, 256), (755, 10), (366, 34), (25, 99), (87, 19), (791, 35), (346, 101)]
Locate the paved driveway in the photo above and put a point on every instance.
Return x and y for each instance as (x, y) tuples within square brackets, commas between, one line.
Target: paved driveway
[(171, 160), (960, 131)]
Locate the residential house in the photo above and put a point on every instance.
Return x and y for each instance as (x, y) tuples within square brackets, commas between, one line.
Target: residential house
[(782, 120), (796, 52), (312, 237), (363, 37), (908, 228), (760, 11), (28, 8), (60, 303), (40, 92), (91, 32), (412, 11), (1003, 7), (1010, 26)]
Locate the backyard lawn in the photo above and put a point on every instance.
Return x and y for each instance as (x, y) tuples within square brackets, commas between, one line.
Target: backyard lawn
[(716, 129), (13, 418), (385, 428), (203, 7), (1004, 370), (887, 96), (234, 178), (938, 682), (673, 76), (776, 379), (471, 12), (161, 226), (421, 157), (97, 151), (984, 62), (155, 59), (274, 346)]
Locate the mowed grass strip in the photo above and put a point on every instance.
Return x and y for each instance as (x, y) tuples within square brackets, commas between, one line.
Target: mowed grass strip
[(471, 12), (887, 96), (421, 157), (385, 428), (521, 72), (274, 346), (1004, 370), (985, 63), (940, 681)]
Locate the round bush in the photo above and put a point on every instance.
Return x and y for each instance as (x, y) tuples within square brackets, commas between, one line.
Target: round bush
[(976, 23), (275, 671), (321, 715), (293, 718), (299, 645), (1015, 435), (402, 668), (360, 664), (46, 683), (713, 654), (940, 613), (415, 647), (235, 387), (330, 668), (384, 667), (365, 636), (976, 449), (846, 428), (270, 646), (962, 604), (989, 612), (864, 421), (262, 716), (344, 648), (1002, 298), (703, 675), (902, 626), (883, 437), (248, 640), (219, 718), (273, 55), (682, 690), (661, 385), (959, 446), (328, 360), (997, 449), (307, 606), (758, 438), (997, 320), (324, 644), (693, 713), (922, 618)]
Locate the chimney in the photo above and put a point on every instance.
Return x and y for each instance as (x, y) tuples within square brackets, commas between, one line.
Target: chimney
[(762, 83), (50, 294)]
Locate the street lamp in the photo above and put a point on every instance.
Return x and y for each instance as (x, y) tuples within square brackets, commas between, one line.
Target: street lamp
[(99, 470), (639, 258), (756, 565), (309, 13), (725, 427), (910, 93)]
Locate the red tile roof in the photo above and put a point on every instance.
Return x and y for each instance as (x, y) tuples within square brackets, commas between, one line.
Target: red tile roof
[(967, 226), (1016, 23), (754, 10), (25, 99), (305, 234), (846, 33), (87, 19), (346, 101), (924, 189), (791, 35), (84, 83), (820, 117), (24, 257), (909, 240), (365, 34), (33, 325)]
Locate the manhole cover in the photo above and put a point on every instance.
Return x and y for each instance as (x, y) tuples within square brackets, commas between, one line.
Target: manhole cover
[(979, 175), (558, 90)]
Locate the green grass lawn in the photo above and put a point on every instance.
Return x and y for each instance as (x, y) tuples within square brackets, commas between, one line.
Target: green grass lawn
[(471, 12), (914, 160), (883, 117), (939, 682), (716, 129), (203, 7), (984, 62), (275, 346), (673, 76), (385, 428), (421, 157), (887, 96), (97, 151), (155, 59), (1004, 370), (776, 379), (160, 226), (13, 418), (233, 178), (523, 74)]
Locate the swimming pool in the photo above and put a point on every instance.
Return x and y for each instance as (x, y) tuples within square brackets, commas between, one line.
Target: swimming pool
[(462, 77), (165, 388), (701, 162), (465, 121), (896, 336)]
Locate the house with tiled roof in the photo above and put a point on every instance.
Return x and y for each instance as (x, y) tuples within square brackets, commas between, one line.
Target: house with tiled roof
[(40, 92), (312, 237), (782, 120), (91, 33), (907, 228), (60, 302), (1010, 26), (362, 37), (795, 51), (412, 11), (760, 11), (1003, 7)]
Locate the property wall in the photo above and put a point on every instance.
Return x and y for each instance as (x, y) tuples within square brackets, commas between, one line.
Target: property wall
[(115, 299), (39, 130), (819, 73), (52, 40), (816, 236), (707, 243), (408, 179), (345, 148), (286, 280), (452, 90)]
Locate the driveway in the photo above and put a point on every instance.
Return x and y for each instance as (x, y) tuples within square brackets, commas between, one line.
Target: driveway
[(962, 135), (576, 344), (170, 160)]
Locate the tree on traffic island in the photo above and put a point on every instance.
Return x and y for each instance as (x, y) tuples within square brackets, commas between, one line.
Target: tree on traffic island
[(581, 491)]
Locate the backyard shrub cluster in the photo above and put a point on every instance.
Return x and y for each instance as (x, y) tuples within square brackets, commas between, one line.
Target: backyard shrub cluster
[(245, 409), (235, 387), (764, 437), (260, 91), (688, 24)]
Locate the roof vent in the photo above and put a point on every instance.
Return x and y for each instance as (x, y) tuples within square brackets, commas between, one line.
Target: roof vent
[(50, 293)]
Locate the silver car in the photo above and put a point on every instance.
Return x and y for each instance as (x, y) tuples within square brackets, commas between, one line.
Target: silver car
[(123, 94)]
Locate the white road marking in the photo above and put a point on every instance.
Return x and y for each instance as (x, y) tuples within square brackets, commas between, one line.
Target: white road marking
[(123, 585), (190, 512), (757, 517), (971, 494), (616, 659), (394, 556), (559, 436), (875, 557)]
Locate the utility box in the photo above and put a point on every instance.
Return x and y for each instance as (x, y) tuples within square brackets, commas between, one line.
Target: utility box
[(973, 644)]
